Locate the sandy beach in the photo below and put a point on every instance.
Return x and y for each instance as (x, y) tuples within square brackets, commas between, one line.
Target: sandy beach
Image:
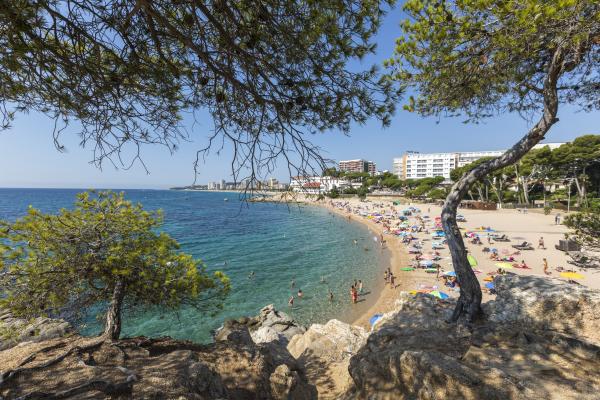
[(517, 226)]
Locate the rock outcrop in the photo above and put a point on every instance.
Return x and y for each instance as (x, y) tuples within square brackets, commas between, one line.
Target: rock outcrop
[(17, 330), (268, 326), (547, 304), (325, 351), (415, 355), (152, 368)]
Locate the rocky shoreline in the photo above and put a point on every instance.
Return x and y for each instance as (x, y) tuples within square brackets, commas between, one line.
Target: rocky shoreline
[(540, 339)]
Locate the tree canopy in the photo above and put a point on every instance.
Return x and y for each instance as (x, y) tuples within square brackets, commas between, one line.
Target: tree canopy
[(125, 73), (104, 251), (481, 57)]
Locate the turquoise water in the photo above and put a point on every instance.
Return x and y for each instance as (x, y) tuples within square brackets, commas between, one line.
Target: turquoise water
[(279, 243)]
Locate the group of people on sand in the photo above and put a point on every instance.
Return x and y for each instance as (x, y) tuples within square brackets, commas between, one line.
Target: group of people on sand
[(390, 278)]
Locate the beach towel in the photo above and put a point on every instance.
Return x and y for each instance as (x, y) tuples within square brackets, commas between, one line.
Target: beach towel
[(472, 261)]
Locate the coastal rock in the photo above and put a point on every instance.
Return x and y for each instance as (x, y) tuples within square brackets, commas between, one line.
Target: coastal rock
[(514, 354), (15, 330), (155, 368), (269, 325), (325, 352), (335, 341), (547, 304), (288, 385)]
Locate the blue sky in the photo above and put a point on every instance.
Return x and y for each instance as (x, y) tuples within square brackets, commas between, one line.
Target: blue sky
[(28, 157)]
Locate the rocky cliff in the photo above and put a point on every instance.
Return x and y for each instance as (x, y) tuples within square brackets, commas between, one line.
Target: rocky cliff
[(539, 340)]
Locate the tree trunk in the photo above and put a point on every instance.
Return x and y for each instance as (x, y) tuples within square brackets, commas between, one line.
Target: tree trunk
[(112, 329), (469, 301)]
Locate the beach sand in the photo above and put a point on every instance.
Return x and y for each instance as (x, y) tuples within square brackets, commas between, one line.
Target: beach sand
[(516, 225)]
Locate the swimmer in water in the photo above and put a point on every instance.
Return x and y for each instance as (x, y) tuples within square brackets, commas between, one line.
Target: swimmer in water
[(291, 302)]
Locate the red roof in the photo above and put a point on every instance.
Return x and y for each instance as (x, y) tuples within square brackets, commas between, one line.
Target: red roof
[(312, 185)]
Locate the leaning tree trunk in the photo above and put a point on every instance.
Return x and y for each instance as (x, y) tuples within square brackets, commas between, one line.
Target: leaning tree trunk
[(112, 329), (469, 301)]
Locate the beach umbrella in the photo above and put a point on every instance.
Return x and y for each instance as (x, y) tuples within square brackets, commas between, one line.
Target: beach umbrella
[(504, 265), (571, 275), (450, 273), (438, 294), (375, 318)]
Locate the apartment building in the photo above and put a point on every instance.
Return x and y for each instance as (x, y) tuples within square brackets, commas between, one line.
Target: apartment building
[(359, 165), (414, 165)]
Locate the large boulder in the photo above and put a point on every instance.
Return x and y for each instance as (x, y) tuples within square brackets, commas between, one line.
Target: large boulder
[(325, 352), (335, 341), (268, 326), (546, 304), (513, 354), (15, 330)]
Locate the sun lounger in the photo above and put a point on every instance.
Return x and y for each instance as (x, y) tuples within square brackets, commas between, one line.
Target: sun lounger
[(523, 246), (501, 238)]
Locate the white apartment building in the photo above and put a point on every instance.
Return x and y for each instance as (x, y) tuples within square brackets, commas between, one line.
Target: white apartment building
[(414, 165), (317, 184)]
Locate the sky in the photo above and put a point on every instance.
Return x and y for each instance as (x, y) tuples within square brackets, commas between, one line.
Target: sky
[(29, 159)]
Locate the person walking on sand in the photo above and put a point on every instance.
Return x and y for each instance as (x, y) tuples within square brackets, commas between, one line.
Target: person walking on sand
[(385, 276), (557, 219), (546, 267), (360, 286), (291, 302), (392, 281), (541, 244)]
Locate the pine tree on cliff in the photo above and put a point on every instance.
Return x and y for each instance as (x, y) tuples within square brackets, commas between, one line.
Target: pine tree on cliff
[(103, 254), (478, 58)]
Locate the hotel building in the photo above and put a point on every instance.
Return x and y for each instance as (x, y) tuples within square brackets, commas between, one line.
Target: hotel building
[(414, 165)]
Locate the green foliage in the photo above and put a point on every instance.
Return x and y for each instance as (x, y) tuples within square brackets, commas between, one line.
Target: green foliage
[(350, 190), (480, 57), (128, 72), (73, 260), (437, 194), (333, 193), (332, 172), (547, 209), (586, 225), (362, 193)]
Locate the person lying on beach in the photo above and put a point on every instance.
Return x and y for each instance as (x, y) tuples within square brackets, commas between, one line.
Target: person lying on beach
[(522, 265)]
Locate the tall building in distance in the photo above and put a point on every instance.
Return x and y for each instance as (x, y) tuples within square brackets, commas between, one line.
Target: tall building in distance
[(414, 165), (359, 165)]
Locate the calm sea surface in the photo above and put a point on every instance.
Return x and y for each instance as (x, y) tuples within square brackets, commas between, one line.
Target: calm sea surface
[(278, 243)]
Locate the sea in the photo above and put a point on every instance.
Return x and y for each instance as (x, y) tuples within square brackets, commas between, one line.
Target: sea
[(280, 243)]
